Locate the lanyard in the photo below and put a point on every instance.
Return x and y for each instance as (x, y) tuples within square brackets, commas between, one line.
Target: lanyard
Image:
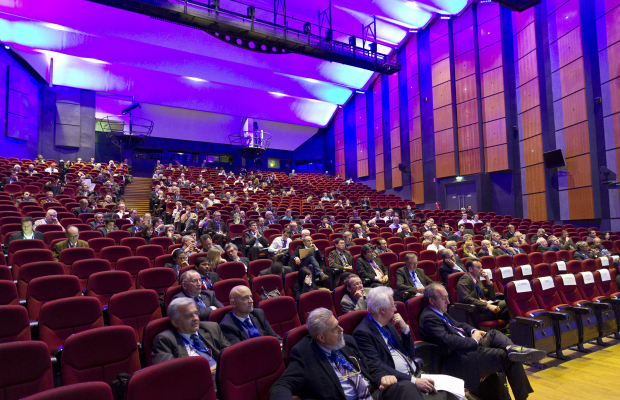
[(387, 333), (210, 353), (340, 360), (443, 316)]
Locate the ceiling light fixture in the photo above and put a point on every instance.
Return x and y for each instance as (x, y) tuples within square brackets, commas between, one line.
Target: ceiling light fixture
[(445, 16), (191, 78)]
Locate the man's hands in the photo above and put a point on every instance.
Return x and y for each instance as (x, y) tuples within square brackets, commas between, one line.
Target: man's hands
[(213, 368), (420, 290), (297, 260), (425, 385), (184, 264), (398, 322), (492, 308), (479, 336), (359, 294), (486, 277), (384, 279), (387, 381)]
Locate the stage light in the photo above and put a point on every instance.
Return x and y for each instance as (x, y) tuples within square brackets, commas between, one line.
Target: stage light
[(239, 42), (444, 16), (251, 45), (360, 91)]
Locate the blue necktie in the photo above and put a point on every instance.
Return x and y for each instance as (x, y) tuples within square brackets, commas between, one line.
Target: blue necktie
[(252, 330), (197, 343), (199, 301)]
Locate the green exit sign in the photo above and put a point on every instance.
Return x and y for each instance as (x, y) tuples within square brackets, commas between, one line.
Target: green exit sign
[(459, 179)]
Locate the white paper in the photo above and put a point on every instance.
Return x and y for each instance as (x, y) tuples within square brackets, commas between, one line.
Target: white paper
[(526, 270), (604, 275), (615, 258), (523, 286), (507, 272), (91, 186), (561, 265), (546, 282), (604, 261), (489, 273), (588, 277), (448, 384), (568, 279)]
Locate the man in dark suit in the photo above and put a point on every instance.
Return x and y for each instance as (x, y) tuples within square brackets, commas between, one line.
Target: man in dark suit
[(387, 349), (340, 259), (411, 279), (543, 245), (256, 242), (311, 261), (503, 249), (27, 198), (583, 251), (230, 254), (471, 351), (245, 321), (370, 269), (451, 261), (99, 220), (358, 233), (486, 250), (82, 209), (206, 301), (208, 277), (487, 230), (71, 242), (217, 229), (137, 227), (189, 337), (9, 179), (353, 298), (469, 291), (405, 232), (26, 233), (328, 365), (511, 232), (539, 234)]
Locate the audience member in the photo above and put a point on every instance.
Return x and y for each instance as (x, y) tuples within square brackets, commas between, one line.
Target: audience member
[(304, 283), (82, 209), (179, 261), (51, 218), (340, 259), (207, 276), (256, 242), (231, 253), (72, 241), (354, 298), (371, 269), (191, 287), (311, 260), (409, 278), (469, 291), (26, 233)]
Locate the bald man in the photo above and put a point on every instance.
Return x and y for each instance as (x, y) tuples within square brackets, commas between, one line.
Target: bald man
[(245, 321)]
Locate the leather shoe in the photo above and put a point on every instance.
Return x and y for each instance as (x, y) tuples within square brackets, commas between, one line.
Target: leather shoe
[(525, 354), (323, 277)]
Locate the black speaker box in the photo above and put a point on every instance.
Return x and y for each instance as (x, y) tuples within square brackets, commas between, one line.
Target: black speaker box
[(518, 5)]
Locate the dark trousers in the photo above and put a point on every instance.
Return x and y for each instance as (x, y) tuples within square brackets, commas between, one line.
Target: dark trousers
[(405, 390), (311, 262), (255, 251), (488, 315), (493, 357), (220, 239)]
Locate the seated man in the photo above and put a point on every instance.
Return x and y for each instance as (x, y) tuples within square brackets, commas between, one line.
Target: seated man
[(312, 261), (358, 233), (486, 250), (543, 245), (503, 249), (387, 349), (191, 287), (473, 352), (327, 365), (382, 247), (26, 233), (353, 298), (468, 291), (49, 198), (554, 243), (451, 261), (217, 229), (245, 321), (255, 240), (405, 232), (232, 255), (436, 244), (27, 198), (137, 227), (51, 218), (188, 245), (371, 268), (190, 337), (583, 251), (99, 220), (495, 238), (82, 209), (71, 242), (539, 234), (207, 244), (341, 260), (279, 247), (410, 278)]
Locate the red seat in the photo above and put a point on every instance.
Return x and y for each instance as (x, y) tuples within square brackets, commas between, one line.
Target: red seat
[(388, 259), (218, 315), (23, 244), (541, 270), (550, 257), (338, 294), (98, 244), (83, 269), (488, 262), (152, 329), (66, 222), (520, 259), (231, 270), (22, 257), (524, 272), (289, 282), (239, 379), (62, 318), (71, 255), (535, 258), (102, 285), (134, 308), (88, 235), (48, 288), (133, 243), (312, 300), (35, 270), (157, 279), (164, 242), (397, 248), (15, 324), (88, 390), (266, 282), (186, 378), (222, 288), (5, 273), (150, 251), (291, 338), (133, 265), (281, 313), (115, 253), (8, 293), (503, 261), (256, 267), (415, 306), (118, 235), (430, 255), (160, 261), (588, 265), (26, 369), (99, 355), (44, 228), (430, 270), (349, 321)]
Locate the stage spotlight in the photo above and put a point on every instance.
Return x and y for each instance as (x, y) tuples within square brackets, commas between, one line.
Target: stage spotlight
[(239, 42), (263, 47)]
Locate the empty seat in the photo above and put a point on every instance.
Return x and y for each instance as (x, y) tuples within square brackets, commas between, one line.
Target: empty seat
[(218, 314), (83, 269), (292, 338), (36, 270), (8, 293), (26, 369), (349, 321), (281, 313), (15, 325), (239, 379), (22, 257), (115, 253), (23, 244), (133, 243), (231, 270), (118, 235), (98, 244), (133, 265), (87, 235), (222, 289), (99, 355), (186, 378), (62, 318), (69, 256), (164, 242), (48, 288), (157, 279), (5, 273), (134, 309), (265, 283), (312, 300), (150, 251), (388, 259), (102, 285), (79, 391)]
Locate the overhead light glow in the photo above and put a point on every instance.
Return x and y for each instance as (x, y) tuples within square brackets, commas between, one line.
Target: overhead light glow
[(277, 94), (94, 60), (445, 16), (56, 27), (360, 91), (191, 78)]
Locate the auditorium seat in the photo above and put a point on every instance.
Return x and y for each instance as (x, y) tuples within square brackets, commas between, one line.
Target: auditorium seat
[(160, 261), (22, 257), (87, 235), (430, 255), (26, 369), (135, 309), (349, 321), (133, 243), (99, 355), (520, 259), (79, 391), (188, 378), (257, 266), (524, 272), (291, 338), (503, 261), (152, 329), (590, 291), (5, 273), (281, 313), (36, 270), (266, 283), (83, 269), (312, 300), (218, 315), (239, 379), (501, 277), (118, 235), (48, 288), (15, 325), (62, 318), (222, 288), (8, 293), (115, 253), (150, 251), (430, 270), (157, 279), (98, 244), (164, 242), (133, 265), (232, 270), (388, 259), (392, 273), (23, 244), (69, 256), (102, 285)]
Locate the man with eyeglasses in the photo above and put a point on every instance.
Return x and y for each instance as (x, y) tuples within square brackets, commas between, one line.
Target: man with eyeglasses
[(191, 287), (71, 242), (217, 229)]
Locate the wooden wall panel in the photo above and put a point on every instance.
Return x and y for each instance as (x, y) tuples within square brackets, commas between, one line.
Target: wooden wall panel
[(578, 172), (493, 107), (467, 113), (535, 179), (464, 65), (444, 141), (445, 165), (395, 142), (580, 203), (531, 123), (466, 89), (469, 161), (469, 137), (415, 124), (494, 132), (492, 82), (532, 151), (495, 158), (530, 95), (536, 206), (528, 66), (576, 140), (339, 136), (442, 95)]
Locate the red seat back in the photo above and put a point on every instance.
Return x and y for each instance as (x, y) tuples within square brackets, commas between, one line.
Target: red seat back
[(152, 329), (8, 293), (535, 258), (79, 391), (388, 259), (268, 283), (99, 243), (133, 243), (15, 324), (257, 266), (157, 279), (292, 338), (218, 315), (222, 288), (503, 261), (587, 285), (164, 242), (606, 282), (134, 308), (312, 300), (280, 312), (133, 265), (26, 369), (521, 304), (22, 257), (102, 285), (118, 235), (426, 254), (567, 289), (99, 355), (69, 256), (115, 253), (62, 318), (550, 257), (549, 298), (23, 244), (349, 321), (414, 309), (501, 277), (231, 270), (83, 269), (150, 251), (453, 279), (35, 270), (48, 288), (520, 259)]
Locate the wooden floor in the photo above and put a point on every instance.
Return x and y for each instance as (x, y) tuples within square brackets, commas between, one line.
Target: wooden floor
[(591, 376)]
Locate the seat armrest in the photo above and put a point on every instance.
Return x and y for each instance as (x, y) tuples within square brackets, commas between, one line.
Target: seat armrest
[(500, 296), (600, 305), (467, 307), (608, 300), (581, 310), (34, 330), (558, 316), (531, 322), (22, 302), (419, 346), (419, 361)]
